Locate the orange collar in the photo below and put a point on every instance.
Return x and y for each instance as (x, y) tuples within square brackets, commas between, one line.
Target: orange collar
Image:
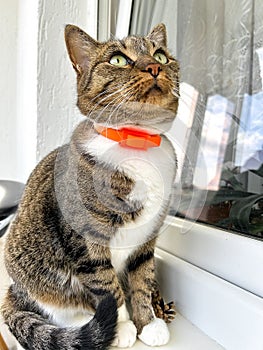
[(131, 138)]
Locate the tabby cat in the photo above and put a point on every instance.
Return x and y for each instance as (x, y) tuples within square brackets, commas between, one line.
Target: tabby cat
[(80, 251)]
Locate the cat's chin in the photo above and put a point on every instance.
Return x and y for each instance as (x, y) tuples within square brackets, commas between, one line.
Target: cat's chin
[(141, 116)]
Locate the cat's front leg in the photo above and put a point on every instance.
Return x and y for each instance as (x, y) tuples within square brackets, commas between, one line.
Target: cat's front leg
[(151, 330), (126, 330), (156, 333)]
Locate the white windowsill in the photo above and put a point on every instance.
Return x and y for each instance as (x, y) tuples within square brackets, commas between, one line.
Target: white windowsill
[(228, 314), (184, 336)]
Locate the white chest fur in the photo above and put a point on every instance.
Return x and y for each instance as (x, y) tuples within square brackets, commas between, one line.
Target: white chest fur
[(152, 172)]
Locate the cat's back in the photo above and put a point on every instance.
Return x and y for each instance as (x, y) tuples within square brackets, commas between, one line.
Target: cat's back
[(39, 184), (26, 231)]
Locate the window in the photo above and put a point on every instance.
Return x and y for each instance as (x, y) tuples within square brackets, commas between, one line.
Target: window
[(218, 132)]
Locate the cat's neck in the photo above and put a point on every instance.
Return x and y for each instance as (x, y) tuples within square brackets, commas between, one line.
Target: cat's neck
[(86, 136)]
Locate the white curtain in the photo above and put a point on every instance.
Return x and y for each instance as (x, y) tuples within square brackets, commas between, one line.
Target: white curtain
[(147, 13)]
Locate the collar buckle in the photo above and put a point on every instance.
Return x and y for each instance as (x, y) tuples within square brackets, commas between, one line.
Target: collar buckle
[(138, 139), (131, 138)]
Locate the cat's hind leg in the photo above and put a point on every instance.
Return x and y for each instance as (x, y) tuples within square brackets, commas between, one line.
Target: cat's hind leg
[(24, 317)]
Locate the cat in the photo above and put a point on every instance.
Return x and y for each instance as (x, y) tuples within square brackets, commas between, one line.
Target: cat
[(80, 251)]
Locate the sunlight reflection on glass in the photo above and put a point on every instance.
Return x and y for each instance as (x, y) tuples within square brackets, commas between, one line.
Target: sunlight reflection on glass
[(214, 139)]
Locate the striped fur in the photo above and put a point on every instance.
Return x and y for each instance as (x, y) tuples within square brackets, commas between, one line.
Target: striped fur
[(33, 329), (82, 243)]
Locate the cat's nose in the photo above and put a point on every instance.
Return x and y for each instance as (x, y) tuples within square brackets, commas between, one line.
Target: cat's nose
[(154, 69)]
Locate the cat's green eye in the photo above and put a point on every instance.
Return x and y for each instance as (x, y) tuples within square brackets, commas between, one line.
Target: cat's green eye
[(160, 57), (119, 61)]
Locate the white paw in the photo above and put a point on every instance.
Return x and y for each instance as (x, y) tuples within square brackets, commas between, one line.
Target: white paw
[(126, 335), (155, 333)]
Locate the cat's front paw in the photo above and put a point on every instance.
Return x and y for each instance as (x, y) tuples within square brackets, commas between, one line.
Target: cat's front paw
[(155, 333), (126, 335)]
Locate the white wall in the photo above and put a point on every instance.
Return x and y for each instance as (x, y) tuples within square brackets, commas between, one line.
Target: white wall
[(56, 78), (8, 74), (37, 85), (26, 86)]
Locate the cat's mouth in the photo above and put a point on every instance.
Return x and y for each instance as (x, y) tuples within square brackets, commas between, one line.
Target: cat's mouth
[(154, 92), (155, 88)]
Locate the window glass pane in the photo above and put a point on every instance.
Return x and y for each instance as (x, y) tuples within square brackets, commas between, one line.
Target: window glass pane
[(218, 133)]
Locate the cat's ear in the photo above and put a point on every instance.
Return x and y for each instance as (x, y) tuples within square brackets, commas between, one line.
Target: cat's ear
[(80, 47), (158, 35)]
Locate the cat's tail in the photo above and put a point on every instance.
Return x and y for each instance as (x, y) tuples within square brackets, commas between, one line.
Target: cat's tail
[(35, 333)]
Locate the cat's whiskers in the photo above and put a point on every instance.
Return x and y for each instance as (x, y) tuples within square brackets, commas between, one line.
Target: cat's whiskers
[(108, 90), (98, 103), (118, 102), (115, 102), (118, 106), (123, 96), (104, 99), (175, 91)]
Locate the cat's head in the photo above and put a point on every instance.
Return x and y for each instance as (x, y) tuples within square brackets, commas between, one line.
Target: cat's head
[(134, 81)]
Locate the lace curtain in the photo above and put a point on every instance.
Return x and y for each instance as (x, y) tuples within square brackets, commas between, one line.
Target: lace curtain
[(216, 42)]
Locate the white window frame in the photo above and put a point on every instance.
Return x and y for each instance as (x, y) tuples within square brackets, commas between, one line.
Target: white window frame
[(233, 257)]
